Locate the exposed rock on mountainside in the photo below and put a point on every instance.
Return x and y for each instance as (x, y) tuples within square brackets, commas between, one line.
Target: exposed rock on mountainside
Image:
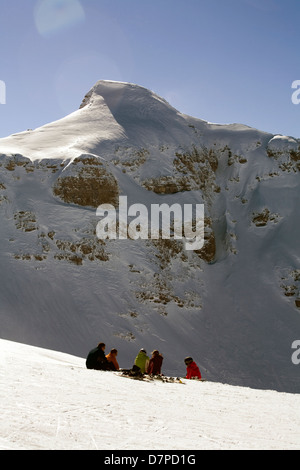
[(87, 182)]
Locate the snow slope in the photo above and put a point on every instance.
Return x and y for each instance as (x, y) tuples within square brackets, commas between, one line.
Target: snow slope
[(233, 309), (50, 401)]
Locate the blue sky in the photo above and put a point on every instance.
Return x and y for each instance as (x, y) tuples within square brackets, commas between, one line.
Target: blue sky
[(220, 60)]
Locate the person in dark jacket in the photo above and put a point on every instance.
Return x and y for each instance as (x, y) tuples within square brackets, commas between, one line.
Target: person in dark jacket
[(155, 363), (96, 358), (192, 370)]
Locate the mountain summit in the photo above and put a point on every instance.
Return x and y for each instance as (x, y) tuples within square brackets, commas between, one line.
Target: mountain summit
[(111, 112), (233, 305)]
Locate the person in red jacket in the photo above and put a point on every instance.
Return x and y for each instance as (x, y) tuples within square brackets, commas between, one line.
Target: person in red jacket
[(192, 370), (155, 363)]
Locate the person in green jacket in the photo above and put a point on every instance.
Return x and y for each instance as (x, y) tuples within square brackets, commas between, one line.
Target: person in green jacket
[(142, 361)]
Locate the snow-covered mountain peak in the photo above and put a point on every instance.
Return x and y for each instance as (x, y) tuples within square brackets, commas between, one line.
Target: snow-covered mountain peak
[(117, 115), (113, 113), (233, 305), (119, 96)]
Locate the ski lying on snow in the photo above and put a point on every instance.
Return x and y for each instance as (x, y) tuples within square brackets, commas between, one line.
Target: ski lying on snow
[(155, 378), (160, 378)]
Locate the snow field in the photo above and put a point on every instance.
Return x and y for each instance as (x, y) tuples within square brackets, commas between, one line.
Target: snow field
[(51, 401)]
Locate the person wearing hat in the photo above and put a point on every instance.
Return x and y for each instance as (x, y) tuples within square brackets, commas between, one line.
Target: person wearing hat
[(96, 358), (155, 363), (192, 370), (142, 361)]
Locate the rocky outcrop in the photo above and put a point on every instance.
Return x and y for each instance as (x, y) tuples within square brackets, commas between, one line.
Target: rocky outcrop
[(87, 182)]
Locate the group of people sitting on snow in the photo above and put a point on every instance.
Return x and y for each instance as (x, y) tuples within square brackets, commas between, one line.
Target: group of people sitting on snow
[(98, 360)]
